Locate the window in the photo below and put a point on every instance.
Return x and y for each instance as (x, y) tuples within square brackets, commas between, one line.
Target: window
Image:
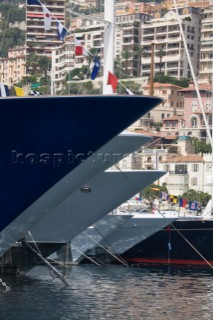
[(149, 159), (194, 106), (181, 169), (195, 167), (208, 106), (194, 181), (166, 167), (194, 122)]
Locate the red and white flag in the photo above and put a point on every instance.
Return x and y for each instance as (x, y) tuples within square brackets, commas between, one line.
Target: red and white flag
[(112, 80), (79, 49), (47, 19)]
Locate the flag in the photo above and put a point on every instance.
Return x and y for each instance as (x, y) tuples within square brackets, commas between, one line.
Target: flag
[(129, 92), (112, 80), (79, 49), (164, 195), (169, 246), (175, 199), (34, 93), (95, 69), (47, 18), (62, 31), (182, 202), (19, 91), (4, 91), (34, 3), (193, 205)]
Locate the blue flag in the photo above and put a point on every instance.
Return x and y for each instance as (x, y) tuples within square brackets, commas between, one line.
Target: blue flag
[(62, 31), (95, 69), (33, 3), (193, 205), (4, 91)]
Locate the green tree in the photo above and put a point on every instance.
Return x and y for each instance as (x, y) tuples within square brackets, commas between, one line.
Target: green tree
[(201, 146), (10, 38), (138, 54), (160, 53), (32, 63), (184, 82), (153, 191), (132, 86), (126, 55), (44, 63), (200, 196)]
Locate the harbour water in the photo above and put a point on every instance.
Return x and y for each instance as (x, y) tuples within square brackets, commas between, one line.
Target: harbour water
[(109, 292)]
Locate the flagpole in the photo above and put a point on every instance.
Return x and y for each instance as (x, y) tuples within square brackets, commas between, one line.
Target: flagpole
[(53, 73), (108, 44)]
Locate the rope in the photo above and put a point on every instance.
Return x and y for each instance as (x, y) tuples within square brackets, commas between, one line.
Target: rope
[(191, 245), (107, 242), (86, 256), (56, 272), (108, 251)]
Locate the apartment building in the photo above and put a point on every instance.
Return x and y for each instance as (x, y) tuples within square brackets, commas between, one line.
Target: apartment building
[(206, 49), (39, 41), (13, 68), (164, 33), (62, 64), (127, 40), (169, 4)]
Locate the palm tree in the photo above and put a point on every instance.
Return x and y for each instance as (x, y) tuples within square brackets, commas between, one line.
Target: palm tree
[(32, 62), (44, 64), (160, 53), (139, 53), (126, 55)]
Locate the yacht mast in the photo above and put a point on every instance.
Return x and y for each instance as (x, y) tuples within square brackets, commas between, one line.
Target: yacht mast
[(108, 43)]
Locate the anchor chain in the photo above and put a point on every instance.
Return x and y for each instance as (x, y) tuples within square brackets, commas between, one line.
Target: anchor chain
[(4, 288)]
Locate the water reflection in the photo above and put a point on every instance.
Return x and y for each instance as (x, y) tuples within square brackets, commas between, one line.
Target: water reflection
[(112, 292)]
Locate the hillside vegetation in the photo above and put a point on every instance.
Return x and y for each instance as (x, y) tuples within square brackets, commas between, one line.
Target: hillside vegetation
[(10, 35)]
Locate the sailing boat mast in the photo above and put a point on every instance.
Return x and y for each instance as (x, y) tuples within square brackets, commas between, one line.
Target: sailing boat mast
[(108, 43)]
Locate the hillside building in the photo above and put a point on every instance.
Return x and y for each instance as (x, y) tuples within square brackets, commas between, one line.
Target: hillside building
[(164, 32), (13, 68)]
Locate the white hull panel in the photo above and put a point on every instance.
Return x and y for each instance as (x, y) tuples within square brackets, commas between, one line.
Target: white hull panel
[(81, 210)]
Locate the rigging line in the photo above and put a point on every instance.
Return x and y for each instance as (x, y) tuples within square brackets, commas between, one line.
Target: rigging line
[(193, 74), (191, 245), (109, 244), (35, 244), (86, 256), (52, 15), (6, 24), (59, 274), (100, 245), (58, 262)]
